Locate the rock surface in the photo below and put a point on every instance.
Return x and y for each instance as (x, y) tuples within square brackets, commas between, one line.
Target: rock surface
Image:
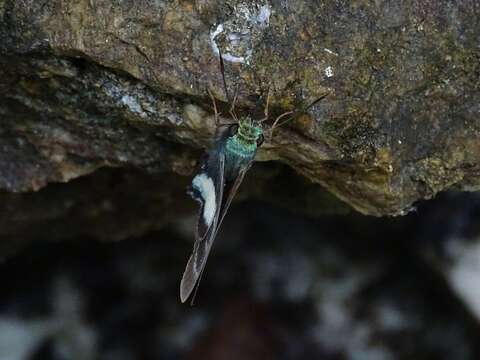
[(91, 84), (104, 114)]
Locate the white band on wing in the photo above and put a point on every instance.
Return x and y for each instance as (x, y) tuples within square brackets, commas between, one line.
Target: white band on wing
[(206, 188)]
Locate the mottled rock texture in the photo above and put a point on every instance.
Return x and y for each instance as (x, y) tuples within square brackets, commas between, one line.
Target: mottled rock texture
[(88, 84)]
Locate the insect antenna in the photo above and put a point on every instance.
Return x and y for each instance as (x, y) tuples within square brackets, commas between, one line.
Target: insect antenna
[(294, 114), (225, 88), (222, 70), (232, 107)]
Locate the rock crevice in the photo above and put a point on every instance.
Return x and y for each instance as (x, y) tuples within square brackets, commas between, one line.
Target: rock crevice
[(85, 85)]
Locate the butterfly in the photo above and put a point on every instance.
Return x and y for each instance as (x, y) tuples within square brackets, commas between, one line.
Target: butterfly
[(214, 187)]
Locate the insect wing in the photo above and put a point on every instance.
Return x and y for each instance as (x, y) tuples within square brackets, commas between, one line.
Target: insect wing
[(207, 188), (231, 188), (215, 194)]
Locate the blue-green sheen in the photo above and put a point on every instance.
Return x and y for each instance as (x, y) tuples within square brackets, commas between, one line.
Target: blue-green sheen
[(244, 143)]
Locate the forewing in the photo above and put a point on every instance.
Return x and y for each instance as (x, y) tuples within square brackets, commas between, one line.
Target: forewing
[(213, 168), (207, 188), (231, 188)]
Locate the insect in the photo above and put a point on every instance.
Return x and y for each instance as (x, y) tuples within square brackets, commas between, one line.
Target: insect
[(220, 176)]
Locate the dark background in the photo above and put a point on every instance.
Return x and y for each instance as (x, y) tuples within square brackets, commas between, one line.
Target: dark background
[(278, 285)]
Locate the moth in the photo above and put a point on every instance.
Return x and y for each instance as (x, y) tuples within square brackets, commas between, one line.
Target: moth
[(214, 187)]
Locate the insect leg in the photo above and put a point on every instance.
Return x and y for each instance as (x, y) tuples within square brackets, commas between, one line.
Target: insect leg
[(294, 114), (217, 115), (268, 104), (277, 120)]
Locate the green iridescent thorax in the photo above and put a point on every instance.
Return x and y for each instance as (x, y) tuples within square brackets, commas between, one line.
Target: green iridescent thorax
[(244, 142)]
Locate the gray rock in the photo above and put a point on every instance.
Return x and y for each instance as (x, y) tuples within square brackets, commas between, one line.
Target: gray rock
[(85, 85)]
